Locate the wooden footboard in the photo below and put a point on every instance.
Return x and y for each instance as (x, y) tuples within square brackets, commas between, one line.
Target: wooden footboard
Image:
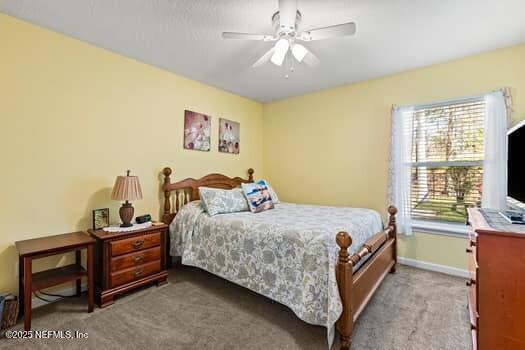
[(357, 288)]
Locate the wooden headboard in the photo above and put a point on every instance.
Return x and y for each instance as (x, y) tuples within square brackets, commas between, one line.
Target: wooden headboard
[(188, 190)]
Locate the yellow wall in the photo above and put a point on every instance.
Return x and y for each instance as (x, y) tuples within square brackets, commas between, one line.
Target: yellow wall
[(332, 146), (74, 116)]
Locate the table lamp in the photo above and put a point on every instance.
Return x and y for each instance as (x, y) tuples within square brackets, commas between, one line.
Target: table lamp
[(126, 188)]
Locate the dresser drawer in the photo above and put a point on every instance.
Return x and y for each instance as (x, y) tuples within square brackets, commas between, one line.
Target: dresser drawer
[(472, 263), (136, 258), (472, 306), (135, 273), (472, 235), (133, 244)]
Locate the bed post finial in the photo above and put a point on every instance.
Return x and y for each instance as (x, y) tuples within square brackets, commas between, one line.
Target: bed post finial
[(167, 205), (392, 210), (344, 277), (344, 241), (250, 174), (167, 172)]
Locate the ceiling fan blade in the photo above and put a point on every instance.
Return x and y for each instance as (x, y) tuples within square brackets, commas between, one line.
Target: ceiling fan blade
[(310, 59), (265, 58), (328, 32), (287, 14), (248, 36)]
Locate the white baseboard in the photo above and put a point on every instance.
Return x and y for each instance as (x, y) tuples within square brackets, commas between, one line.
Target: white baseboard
[(35, 302), (449, 270)]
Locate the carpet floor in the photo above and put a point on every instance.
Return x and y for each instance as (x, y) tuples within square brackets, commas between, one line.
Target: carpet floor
[(413, 309)]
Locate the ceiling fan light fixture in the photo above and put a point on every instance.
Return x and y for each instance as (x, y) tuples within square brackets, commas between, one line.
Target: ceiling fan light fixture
[(281, 48), (299, 51), (287, 31)]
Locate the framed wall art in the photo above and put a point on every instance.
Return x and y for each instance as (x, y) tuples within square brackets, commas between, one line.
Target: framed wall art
[(229, 136), (197, 130)]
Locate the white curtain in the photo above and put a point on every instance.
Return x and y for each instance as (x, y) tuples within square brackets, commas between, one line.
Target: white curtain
[(495, 163), (400, 166)]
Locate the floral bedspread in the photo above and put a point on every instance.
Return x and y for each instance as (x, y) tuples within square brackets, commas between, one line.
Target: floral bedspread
[(287, 254)]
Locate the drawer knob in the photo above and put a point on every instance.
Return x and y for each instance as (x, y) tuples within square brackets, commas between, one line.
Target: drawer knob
[(472, 243), (137, 244), (138, 259), (470, 282), (468, 250), (138, 273)]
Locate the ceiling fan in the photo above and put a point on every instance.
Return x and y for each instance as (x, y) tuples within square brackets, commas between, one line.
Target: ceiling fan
[(287, 34)]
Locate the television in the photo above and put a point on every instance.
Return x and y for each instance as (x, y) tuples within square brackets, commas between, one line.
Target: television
[(516, 167)]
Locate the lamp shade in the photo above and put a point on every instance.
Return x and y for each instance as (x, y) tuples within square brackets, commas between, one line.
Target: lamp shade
[(126, 188)]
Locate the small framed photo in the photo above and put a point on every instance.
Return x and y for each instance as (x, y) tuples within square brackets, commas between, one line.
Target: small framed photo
[(100, 218)]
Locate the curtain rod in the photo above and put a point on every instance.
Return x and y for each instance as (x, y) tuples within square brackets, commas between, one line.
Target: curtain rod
[(448, 101)]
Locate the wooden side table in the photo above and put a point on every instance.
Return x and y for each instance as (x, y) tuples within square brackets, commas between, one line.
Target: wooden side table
[(127, 260), (52, 245)]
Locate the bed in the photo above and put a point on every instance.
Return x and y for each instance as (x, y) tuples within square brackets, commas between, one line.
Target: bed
[(299, 255)]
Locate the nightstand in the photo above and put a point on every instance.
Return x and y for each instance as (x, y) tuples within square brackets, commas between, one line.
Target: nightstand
[(127, 260)]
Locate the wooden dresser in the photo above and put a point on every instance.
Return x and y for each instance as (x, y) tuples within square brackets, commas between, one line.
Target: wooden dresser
[(127, 260), (496, 289)]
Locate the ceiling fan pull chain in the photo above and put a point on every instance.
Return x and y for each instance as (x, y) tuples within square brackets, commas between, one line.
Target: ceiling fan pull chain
[(286, 65), (292, 62)]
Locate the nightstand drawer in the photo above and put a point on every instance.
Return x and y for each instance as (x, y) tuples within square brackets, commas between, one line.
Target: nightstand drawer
[(134, 273), (133, 244), (136, 258)]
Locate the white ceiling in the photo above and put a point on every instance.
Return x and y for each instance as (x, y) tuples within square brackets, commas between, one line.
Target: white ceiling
[(185, 36)]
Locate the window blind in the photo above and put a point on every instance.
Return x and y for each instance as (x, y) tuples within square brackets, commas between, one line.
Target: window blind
[(447, 159)]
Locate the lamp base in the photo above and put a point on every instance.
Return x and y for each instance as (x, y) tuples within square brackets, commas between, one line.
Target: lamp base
[(126, 212)]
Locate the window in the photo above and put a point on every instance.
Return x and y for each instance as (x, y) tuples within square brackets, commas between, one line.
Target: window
[(447, 152), (447, 157), (438, 161)]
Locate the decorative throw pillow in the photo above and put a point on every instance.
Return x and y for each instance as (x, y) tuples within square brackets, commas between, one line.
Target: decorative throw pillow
[(218, 201), (273, 194), (258, 195)]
